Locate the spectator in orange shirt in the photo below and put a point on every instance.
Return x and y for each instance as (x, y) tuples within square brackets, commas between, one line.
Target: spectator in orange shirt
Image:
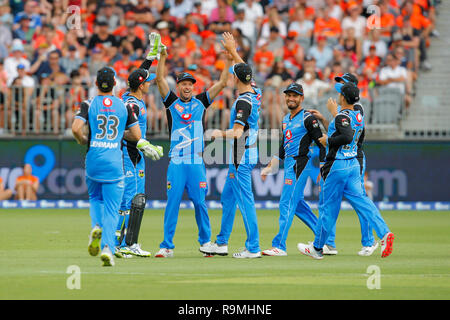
[(326, 25), (27, 185), (387, 20), (5, 194), (293, 51), (372, 61), (263, 58), (122, 65)]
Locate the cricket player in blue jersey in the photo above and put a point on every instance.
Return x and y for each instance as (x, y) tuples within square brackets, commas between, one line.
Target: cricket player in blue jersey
[(369, 245), (107, 118), (185, 115), (341, 175), (242, 134), (133, 201), (300, 129)]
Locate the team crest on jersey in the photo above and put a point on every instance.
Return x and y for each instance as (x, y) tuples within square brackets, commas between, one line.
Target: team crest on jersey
[(231, 175), (143, 111), (315, 124), (141, 173), (358, 117), (179, 108), (289, 134), (345, 122), (107, 102), (202, 185), (288, 182)]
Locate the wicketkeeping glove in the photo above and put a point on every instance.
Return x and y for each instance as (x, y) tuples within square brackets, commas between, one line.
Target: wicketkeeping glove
[(149, 150), (155, 46)]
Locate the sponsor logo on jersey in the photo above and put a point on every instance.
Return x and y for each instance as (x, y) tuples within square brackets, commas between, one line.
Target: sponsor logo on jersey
[(289, 134), (284, 126), (107, 102), (231, 175), (169, 185), (179, 108), (315, 124), (186, 116), (141, 173), (288, 182), (202, 185), (358, 117)]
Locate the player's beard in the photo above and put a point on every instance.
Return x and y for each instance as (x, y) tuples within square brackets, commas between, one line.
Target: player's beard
[(293, 105)]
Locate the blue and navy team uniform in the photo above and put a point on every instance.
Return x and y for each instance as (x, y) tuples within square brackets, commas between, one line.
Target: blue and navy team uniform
[(108, 118), (367, 238), (237, 191), (341, 174), (186, 168), (298, 134), (133, 162)]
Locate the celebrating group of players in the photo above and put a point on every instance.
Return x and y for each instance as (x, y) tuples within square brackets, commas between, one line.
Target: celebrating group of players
[(115, 165)]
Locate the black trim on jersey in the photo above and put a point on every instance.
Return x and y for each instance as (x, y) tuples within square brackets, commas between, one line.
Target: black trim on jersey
[(169, 122), (281, 151), (203, 98), (359, 144), (300, 164), (171, 98), (133, 113), (326, 168), (312, 126)]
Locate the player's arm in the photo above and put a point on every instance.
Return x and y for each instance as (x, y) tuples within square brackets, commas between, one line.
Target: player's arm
[(154, 53), (78, 124), (312, 125), (320, 117), (133, 131), (344, 132), (161, 81), (229, 44), (243, 111), (222, 83), (274, 163)]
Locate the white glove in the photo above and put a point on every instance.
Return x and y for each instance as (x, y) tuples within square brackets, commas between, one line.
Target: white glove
[(149, 150), (155, 46)]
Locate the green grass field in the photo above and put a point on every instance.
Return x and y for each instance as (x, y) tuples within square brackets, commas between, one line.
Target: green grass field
[(38, 246)]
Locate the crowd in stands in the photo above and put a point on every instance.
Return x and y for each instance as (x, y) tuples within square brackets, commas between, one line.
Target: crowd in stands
[(46, 45)]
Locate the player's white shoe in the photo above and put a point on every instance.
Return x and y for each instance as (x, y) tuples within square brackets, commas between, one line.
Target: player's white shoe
[(207, 249), (387, 244), (164, 253), (135, 250), (107, 257), (94, 241), (329, 250), (212, 248), (308, 250), (274, 252), (245, 254), (367, 251)]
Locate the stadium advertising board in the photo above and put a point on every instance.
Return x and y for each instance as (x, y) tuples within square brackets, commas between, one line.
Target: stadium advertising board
[(400, 171)]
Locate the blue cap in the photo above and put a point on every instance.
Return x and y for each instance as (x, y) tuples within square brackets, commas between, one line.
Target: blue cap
[(185, 76), (21, 66), (294, 87), (347, 77)]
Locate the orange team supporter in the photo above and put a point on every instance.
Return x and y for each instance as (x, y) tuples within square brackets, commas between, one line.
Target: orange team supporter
[(121, 31), (329, 28), (372, 63), (30, 178), (291, 54), (57, 40), (387, 20), (264, 57), (417, 19), (122, 68)]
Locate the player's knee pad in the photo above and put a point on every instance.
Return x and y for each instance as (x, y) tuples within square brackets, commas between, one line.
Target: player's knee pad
[(134, 223)]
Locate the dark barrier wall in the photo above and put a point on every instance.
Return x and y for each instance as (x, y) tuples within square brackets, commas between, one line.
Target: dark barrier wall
[(400, 171)]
